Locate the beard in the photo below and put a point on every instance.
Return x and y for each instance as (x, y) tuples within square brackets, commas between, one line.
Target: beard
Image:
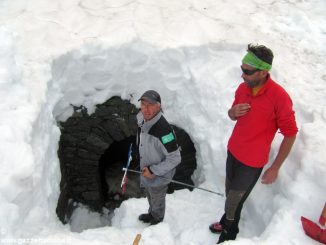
[(252, 83)]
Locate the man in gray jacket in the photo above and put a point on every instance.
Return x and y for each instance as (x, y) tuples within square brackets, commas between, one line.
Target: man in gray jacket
[(159, 155)]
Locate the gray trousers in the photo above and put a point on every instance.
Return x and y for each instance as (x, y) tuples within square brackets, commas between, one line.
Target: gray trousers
[(156, 200)]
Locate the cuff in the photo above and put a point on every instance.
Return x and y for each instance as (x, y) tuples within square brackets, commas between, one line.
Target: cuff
[(150, 170)]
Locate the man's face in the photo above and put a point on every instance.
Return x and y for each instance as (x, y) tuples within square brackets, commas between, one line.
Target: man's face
[(149, 110), (252, 77)]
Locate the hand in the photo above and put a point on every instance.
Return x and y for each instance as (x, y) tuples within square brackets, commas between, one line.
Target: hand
[(270, 176), (239, 110), (147, 174)]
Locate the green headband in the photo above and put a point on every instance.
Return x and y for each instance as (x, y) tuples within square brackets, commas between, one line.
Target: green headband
[(254, 61)]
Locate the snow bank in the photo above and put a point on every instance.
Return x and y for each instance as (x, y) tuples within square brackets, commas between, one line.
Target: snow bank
[(57, 54)]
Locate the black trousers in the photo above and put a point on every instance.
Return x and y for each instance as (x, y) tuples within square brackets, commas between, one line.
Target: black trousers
[(240, 180)]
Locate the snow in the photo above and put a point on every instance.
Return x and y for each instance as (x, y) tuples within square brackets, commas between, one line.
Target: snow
[(55, 54)]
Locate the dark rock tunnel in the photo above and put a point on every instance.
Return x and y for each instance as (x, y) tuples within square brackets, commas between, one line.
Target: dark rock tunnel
[(92, 151)]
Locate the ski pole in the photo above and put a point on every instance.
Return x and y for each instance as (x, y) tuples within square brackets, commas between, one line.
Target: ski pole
[(124, 178), (175, 181)]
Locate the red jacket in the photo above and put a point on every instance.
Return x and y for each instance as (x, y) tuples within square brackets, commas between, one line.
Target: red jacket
[(252, 136)]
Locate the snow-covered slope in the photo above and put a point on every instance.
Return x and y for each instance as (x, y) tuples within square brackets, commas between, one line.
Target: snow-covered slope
[(57, 53)]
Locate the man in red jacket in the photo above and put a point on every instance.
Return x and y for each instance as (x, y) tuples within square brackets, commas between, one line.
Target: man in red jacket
[(261, 107)]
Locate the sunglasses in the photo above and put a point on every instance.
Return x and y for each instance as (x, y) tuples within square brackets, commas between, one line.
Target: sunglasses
[(249, 72)]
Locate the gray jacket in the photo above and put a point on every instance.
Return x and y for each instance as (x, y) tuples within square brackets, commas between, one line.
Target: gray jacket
[(158, 149)]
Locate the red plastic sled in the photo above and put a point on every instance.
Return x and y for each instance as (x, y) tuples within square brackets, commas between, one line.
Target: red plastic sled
[(313, 230)]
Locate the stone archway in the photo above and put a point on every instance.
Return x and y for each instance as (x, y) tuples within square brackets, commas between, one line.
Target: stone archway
[(92, 152)]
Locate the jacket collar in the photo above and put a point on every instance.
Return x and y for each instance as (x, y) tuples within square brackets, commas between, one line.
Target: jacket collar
[(147, 124)]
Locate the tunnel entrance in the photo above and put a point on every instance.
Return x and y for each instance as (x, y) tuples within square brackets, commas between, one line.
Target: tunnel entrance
[(111, 174), (93, 149)]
